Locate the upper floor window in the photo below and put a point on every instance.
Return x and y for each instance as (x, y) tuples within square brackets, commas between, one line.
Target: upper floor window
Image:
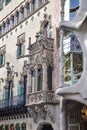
[(33, 80), (33, 7), (2, 56), (73, 59), (17, 17), (74, 6), (40, 2), (20, 45), (12, 22), (40, 79), (1, 4), (49, 76), (28, 8), (7, 1), (23, 126), (22, 13), (70, 9)]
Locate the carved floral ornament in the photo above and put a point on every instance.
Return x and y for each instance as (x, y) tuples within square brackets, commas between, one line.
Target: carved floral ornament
[(42, 113), (41, 58)]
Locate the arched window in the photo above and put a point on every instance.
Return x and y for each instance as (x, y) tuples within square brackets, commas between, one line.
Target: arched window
[(74, 6), (28, 8), (17, 126), (6, 127), (2, 127), (12, 127), (23, 126), (73, 59), (33, 7)]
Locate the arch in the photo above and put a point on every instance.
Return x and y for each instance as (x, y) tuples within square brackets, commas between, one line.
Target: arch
[(45, 126), (12, 127), (7, 127), (17, 126), (23, 126)]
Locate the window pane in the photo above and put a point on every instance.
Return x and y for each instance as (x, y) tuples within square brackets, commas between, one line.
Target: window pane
[(40, 79), (33, 80)]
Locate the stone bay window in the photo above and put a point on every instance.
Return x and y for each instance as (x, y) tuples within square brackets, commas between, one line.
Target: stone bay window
[(40, 69)]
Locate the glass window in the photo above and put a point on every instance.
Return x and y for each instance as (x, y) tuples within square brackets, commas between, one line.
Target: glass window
[(20, 93), (49, 76), (12, 21), (33, 5), (1, 59), (23, 126), (6, 2), (40, 79), (74, 6), (70, 9), (33, 80), (40, 2), (17, 16), (73, 59), (6, 127), (1, 4), (17, 126)]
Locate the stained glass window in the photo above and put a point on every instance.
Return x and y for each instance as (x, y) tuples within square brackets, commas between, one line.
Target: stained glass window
[(73, 59)]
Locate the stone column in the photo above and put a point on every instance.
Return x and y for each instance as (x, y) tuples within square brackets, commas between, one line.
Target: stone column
[(62, 114), (36, 77), (61, 60), (45, 76), (28, 81)]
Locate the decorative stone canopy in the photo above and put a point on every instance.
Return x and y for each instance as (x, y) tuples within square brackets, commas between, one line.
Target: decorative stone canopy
[(78, 26)]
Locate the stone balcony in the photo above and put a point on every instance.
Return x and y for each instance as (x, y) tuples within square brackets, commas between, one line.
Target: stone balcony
[(40, 97)]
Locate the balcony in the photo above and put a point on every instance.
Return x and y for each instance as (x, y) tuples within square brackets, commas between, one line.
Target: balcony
[(41, 97), (13, 107)]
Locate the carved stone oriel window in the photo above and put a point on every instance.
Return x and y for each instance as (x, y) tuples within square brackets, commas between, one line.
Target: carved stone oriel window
[(20, 45)]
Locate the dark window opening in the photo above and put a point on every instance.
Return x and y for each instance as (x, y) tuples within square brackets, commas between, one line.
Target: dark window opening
[(40, 79), (47, 127), (49, 76)]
